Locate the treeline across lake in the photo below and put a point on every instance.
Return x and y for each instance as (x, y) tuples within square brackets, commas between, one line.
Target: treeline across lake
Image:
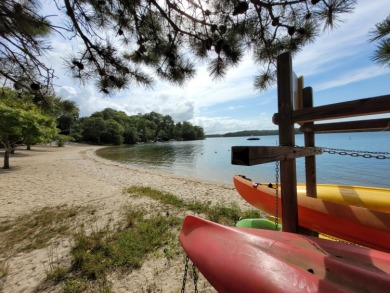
[(116, 127), (248, 133)]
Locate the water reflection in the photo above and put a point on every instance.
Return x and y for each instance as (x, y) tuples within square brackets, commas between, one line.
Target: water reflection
[(167, 154), (211, 159)]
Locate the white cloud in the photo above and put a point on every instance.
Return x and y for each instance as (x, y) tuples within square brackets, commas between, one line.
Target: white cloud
[(352, 76), (325, 62)]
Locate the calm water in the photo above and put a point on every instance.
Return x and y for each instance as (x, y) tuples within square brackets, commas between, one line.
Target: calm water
[(210, 159)]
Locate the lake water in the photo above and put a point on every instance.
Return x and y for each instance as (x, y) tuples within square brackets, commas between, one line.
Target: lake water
[(210, 159)]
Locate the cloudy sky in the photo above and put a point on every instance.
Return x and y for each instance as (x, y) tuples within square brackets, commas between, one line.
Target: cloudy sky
[(338, 66)]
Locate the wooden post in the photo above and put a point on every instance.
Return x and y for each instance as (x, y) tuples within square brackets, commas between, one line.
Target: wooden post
[(288, 177), (310, 161)]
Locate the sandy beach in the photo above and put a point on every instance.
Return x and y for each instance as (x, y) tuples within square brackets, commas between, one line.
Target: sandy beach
[(73, 176)]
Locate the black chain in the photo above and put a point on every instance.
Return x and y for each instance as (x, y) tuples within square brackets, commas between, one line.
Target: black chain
[(352, 153), (276, 195), (194, 273), (183, 287)]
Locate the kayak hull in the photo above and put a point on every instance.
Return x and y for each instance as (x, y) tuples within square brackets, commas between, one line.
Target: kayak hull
[(355, 224), (258, 223), (236, 259), (376, 199)]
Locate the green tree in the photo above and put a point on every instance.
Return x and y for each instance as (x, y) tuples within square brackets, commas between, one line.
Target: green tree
[(167, 36), (113, 132), (96, 129), (199, 132), (149, 131), (162, 135), (67, 116), (130, 135), (116, 127), (38, 128), (381, 33), (10, 129), (178, 131), (168, 126), (188, 131), (21, 122), (93, 129)]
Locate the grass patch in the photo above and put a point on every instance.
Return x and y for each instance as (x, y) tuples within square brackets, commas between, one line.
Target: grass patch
[(57, 274), (129, 244), (3, 272), (126, 248), (101, 252), (164, 197), (36, 229), (219, 214), (74, 286)]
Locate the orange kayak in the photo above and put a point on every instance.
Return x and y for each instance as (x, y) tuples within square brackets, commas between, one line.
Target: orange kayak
[(253, 260), (352, 223)]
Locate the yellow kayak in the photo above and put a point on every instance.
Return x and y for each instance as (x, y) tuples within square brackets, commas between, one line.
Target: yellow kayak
[(376, 199), (365, 226)]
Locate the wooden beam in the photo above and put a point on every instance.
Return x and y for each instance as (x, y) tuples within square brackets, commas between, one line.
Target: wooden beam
[(255, 155), (367, 106), (288, 176), (310, 161), (372, 124)]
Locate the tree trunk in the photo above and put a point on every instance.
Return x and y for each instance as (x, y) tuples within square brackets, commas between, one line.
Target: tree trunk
[(6, 159), (29, 147)]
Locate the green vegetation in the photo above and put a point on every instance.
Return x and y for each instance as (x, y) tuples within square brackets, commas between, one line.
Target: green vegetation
[(32, 119), (22, 121), (116, 127), (219, 213), (123, 246), (381, 34), (3, 272), (35, 119), (36, 229)]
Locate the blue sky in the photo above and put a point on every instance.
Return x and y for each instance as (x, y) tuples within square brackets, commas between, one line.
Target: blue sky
[(337, 65)]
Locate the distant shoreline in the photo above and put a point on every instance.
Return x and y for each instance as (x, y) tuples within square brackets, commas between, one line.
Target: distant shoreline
[(274, 132)]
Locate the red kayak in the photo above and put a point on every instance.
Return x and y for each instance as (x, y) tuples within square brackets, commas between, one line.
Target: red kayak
[(352, 223), (251, 260)]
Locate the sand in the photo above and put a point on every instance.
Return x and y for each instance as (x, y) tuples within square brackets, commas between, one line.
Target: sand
[(49, 176)]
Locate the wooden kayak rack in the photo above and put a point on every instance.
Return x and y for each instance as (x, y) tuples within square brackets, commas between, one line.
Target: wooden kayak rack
[(297, 107)]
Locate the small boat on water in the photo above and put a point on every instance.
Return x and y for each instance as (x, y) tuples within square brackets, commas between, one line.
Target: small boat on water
[(253, 138), (360, 225), (249, 260)]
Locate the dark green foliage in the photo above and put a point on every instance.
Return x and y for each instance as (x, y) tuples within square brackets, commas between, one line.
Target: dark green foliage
[(382, 35), (115, 127), (116, 37)]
